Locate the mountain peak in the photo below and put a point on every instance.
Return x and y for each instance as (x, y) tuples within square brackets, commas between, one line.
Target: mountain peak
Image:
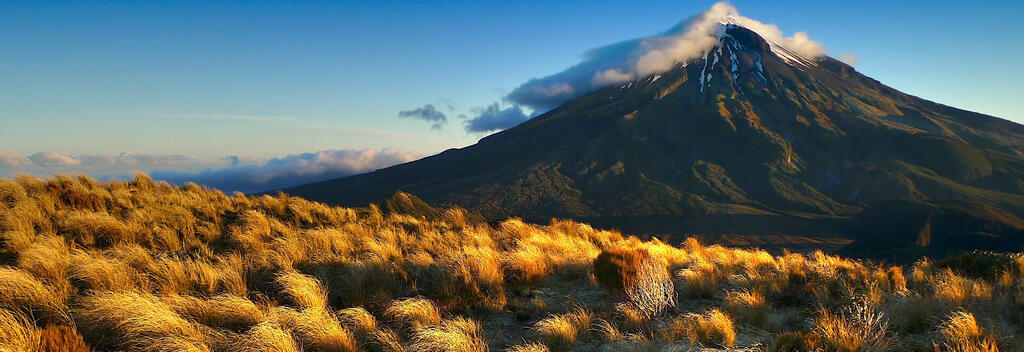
[(754, 134)]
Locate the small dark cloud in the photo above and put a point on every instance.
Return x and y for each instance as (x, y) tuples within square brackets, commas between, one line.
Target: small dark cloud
[(291, 170), (493, 118), (426, 113)]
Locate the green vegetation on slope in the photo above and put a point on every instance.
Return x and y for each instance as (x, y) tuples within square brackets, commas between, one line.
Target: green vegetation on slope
[(146, 266)]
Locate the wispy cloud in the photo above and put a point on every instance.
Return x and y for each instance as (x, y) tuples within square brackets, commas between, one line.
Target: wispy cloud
[(224, 117), (323, 128)]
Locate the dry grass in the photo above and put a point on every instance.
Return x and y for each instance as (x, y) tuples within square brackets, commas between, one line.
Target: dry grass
[(223, 311), (266, 337), (713, 328), (858, 328), (413, 313), (528, 347), (960, 333), (359, 321), (560, 331), (747, 306), (135, 321), (317, 329), (301, 291), (17, 333), (59, 338), (456, 335), (20, 290), (143, 265)]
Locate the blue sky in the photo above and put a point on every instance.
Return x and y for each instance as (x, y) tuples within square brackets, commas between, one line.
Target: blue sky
[(268, 79)]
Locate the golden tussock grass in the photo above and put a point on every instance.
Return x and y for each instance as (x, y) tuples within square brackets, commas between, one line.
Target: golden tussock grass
[(223, 311), (302, 291), (528, 347), (413, 313), (20, 290), (135, 321), (316, 329), (359, 321), (747, 306), (713, 328), (147, 266), (60, 338), (266, 337), (17, 332), (960, 332), (455, 335), (560, 331), (859, 327)]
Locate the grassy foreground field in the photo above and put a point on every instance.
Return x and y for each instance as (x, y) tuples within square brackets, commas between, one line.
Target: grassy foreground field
[(145, 266)]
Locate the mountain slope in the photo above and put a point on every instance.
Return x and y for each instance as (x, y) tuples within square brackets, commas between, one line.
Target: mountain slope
[(749, 139)]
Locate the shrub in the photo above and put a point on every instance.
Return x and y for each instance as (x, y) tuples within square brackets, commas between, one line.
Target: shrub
[(560, 331), (636, 275), (960, 333), (456, 335), (712, 328)]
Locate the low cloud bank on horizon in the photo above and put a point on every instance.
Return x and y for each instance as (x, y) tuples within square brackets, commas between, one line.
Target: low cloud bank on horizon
[(626, 61), (229, 174), (49, 159), (248, 176)]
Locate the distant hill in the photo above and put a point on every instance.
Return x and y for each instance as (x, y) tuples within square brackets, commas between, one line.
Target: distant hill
[(751, 139)]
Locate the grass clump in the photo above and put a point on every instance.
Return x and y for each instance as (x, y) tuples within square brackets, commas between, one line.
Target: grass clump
[(960, 332), (17, 333), (713, 329), (858, 328), (413, 313), (560, 331), (456, 335)]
